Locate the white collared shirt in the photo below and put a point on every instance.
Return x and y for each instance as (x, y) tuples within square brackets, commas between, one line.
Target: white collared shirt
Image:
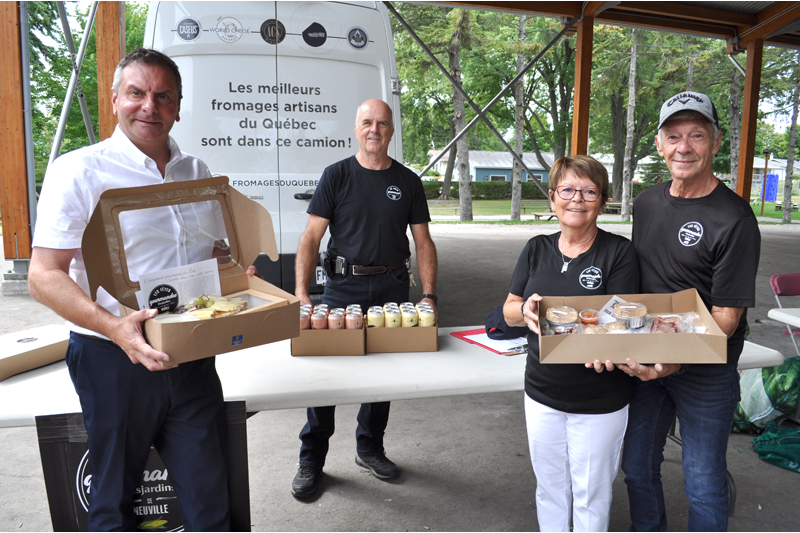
[(154, 239)]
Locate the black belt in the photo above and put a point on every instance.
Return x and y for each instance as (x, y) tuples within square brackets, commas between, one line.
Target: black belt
[(358, 270)]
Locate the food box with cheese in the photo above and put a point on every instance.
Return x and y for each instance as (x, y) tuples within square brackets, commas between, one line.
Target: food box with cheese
[(708, 346), (271, 314)]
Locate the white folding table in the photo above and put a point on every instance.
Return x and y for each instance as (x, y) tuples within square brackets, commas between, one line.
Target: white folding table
[(267, 377)]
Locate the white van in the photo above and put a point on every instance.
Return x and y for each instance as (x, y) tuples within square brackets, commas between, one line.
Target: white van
[(270, 93)]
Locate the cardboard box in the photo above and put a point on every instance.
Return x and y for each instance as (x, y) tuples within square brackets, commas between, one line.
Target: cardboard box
[(646, 348), (32, 348), (329, 342), (398, 340), (248, 227)]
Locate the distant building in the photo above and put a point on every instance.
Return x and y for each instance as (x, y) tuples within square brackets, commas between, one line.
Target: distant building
[(495, 166)]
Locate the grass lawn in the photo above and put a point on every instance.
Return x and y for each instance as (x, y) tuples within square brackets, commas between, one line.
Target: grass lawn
[(769, 210)]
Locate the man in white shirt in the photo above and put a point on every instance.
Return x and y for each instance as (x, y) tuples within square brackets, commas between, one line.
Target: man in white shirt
[(129, 401)]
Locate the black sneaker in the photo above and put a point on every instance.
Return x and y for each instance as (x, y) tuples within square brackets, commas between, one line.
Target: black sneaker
[(305, 481), (381, 467)]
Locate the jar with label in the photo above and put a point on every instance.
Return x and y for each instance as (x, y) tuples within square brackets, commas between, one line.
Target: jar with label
[(353, 320), (392, 318), (427, 318), (319, 320), (336, 320), (409, 317), (305, 320), (375, 317)]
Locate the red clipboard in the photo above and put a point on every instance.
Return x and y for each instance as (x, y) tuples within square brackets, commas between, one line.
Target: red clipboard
[(463, 336)]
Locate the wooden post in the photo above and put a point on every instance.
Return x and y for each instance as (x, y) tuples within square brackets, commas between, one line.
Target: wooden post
[(752, 83), (583, 91), (13, 171), (110, 49)]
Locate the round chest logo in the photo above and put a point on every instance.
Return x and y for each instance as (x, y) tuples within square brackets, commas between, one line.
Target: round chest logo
[(273, 31), (393, 192), (188, 29), (164, 298), (357, 38), (690, 233), (591, 278), (229, 29), (315, 35)]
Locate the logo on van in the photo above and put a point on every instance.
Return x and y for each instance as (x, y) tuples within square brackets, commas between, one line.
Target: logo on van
[(357, 38), (393, 192), (229, 29), (315, 35), (273, 31), (690, 233), (188, 29)]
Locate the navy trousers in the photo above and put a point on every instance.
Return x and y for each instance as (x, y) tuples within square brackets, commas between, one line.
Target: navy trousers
[(126, 408), (372, 417)]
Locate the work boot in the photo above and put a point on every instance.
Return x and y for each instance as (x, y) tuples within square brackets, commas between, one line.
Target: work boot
[(381, 467), (305, 481)]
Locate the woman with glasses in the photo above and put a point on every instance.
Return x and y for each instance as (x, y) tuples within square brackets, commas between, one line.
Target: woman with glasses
[(576, 418)]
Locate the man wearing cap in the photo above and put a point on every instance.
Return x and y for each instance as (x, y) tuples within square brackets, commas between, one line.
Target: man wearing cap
[(690, 232), (368, 201), (128, 399)]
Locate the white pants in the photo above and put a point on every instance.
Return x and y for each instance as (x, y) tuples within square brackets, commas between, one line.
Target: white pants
[(575, 458)]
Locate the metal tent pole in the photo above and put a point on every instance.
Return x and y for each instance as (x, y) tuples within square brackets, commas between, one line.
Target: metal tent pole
[(481, 112), (73, 81)]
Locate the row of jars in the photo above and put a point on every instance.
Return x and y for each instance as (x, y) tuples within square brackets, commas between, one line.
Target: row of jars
[(390, 315), (406, 315), (323, 317)]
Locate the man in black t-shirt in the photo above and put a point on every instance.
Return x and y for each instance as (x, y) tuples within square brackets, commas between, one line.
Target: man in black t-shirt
[(691, 231), (367, 201)]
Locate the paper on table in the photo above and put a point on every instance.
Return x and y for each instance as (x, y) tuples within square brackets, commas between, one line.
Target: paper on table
[(518, 345)]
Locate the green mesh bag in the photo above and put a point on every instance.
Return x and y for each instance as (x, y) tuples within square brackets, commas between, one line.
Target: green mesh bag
[(780, 446)]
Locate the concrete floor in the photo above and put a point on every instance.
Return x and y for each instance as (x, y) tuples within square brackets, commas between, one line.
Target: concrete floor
[(464, 459)]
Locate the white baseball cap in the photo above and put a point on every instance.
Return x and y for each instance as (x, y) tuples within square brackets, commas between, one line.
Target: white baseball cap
[(689, 101)]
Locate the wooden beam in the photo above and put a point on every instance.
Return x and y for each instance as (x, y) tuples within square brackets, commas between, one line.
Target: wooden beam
[(14, 170), (591, 9), (110, 50), (664, 23), (772, 20), (752, 83), (583, 91), (690, 12)]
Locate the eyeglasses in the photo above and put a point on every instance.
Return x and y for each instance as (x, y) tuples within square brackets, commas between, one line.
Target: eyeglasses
[(566, 192)]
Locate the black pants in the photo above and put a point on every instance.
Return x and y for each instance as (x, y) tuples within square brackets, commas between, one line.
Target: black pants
[(372, 417), (126, 408)]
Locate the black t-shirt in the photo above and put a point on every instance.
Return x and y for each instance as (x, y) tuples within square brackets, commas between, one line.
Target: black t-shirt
[(710, 243), (369, 211), (608, 267)]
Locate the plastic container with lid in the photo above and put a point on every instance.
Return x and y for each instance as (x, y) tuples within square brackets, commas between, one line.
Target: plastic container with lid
[(631, 314), (561, 319)]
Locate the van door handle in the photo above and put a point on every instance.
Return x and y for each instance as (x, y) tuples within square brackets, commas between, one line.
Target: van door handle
[(303, 195)]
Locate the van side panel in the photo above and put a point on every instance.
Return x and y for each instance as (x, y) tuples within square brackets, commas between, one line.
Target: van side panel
[(271, 91)]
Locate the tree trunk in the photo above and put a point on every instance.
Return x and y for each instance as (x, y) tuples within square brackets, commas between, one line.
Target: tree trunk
[(519, 128), (690, 74), (736, 125), (787, 184), (617, 142), (626, 167), (451, 164), (462, 156)]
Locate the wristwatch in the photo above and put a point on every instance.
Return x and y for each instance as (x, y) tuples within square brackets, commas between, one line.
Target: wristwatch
[(431, 297)]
